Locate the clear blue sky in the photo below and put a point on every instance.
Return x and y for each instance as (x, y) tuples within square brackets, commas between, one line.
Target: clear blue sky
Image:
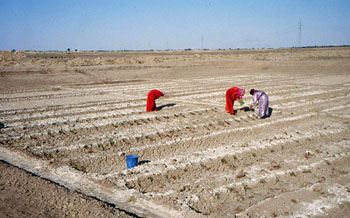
[(171, 24)]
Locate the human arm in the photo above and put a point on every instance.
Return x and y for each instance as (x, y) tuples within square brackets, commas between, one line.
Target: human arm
[(255, 100)]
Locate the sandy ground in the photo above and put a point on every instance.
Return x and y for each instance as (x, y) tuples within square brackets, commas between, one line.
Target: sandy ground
[(23, 194), (72, 118)]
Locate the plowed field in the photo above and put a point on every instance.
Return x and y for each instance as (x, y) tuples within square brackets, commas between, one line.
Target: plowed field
[(72, 118)]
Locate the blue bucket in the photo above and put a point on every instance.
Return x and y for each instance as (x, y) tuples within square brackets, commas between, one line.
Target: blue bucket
[(131, 161)]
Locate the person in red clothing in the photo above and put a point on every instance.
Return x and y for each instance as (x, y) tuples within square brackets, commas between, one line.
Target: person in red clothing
[(233, 94), (151, 99)]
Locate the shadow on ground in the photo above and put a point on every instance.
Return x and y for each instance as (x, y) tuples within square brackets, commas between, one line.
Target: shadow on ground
[(143, 162), (247, 109), (165, 105)]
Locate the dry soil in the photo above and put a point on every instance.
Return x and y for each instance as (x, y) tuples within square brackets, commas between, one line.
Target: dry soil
[(71, 118)]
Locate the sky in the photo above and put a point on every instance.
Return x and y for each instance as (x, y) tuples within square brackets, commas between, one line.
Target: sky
[(172, 24)]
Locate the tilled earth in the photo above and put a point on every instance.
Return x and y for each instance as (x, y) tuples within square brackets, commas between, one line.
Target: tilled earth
[(66, 137)]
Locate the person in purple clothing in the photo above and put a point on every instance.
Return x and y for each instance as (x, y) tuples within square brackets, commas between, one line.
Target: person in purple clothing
[(260, 97)]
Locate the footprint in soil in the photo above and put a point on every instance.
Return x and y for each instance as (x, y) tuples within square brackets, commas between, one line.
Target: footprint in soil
[(241, 174)]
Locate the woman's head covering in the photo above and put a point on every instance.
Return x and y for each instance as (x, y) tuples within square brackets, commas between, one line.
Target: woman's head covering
[(252, 91), (241, 92)]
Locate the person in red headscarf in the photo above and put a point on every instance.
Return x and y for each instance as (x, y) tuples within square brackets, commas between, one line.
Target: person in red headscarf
[(151, 99), (233, 94)]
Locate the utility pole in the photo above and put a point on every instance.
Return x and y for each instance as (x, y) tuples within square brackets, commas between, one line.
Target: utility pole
[(299, 34), (202, 42), (167, 44)]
